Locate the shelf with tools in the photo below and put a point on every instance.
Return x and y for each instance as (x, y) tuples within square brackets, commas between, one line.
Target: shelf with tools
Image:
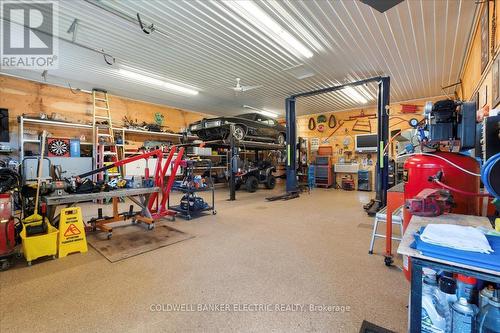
[(26, 123), (130, 148)]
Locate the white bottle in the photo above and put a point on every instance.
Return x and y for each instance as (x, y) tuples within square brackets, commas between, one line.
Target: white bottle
[(432, 321), (445, 296)]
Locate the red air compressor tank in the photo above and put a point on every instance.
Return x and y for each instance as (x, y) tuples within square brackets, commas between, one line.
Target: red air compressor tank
[(418, 169)]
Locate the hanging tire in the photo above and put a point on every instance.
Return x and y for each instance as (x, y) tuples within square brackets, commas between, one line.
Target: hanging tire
[(332, 121), (251, 184), (271, 182), (239, 133), (281, 140), (311, 125)]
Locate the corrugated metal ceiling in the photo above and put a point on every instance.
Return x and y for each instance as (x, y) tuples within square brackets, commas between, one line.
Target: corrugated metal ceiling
[(420, 44)]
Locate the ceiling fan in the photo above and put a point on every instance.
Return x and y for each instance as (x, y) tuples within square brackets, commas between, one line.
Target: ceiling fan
[(239, 88)]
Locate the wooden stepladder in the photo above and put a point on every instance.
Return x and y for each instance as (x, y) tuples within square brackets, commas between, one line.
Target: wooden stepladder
[(104, 150)]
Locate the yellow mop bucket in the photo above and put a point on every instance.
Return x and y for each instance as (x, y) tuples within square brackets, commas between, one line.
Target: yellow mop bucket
[(38, 246)]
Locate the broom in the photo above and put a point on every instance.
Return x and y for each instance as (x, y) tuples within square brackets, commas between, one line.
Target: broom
[(35, 217)]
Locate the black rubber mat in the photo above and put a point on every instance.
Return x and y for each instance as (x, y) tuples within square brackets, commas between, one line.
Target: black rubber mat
[(368, 327)]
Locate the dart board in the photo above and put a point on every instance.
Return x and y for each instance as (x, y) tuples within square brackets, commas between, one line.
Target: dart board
[(58, 147)]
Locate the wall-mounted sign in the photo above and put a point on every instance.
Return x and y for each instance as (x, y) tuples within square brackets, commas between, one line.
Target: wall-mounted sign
[(495, 72), (314, 144)]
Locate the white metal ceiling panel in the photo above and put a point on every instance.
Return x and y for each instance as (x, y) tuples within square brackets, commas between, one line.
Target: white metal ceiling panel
[(420, 44)]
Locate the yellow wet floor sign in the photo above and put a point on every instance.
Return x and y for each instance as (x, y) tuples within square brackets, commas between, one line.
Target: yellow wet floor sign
[(71, 232)]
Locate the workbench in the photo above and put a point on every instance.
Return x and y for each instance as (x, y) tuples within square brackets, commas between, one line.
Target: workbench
[(418, 260), (139, 196)]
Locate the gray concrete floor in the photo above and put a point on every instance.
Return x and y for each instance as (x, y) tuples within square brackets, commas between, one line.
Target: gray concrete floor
[(311, 250)]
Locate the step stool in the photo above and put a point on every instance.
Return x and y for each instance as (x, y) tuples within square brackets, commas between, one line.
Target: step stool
[(381, 217)]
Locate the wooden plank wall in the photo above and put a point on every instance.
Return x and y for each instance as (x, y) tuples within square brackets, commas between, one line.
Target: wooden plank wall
[(472, 79), (399, 121), (32, 98)]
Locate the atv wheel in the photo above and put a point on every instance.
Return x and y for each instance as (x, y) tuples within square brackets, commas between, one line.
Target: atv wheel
[(271, 182), (252, 184)]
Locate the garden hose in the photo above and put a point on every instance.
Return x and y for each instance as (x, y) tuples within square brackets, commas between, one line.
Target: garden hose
[(490, 175)]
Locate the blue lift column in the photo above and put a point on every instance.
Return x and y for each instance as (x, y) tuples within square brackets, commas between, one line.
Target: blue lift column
[(382, 179), (291, 142)]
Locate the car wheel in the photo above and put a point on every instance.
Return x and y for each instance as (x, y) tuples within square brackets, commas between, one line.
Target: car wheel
[(239, 133), (252, 184), (281, 139), (271, 182)]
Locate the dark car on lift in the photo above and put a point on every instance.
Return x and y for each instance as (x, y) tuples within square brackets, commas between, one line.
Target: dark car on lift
[(250, 126)]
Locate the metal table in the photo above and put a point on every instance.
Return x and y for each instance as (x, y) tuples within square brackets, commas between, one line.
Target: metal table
[(418, 261), (139, 196)]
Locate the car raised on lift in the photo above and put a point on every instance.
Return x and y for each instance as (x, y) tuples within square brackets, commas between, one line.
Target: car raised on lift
[(249, 126)]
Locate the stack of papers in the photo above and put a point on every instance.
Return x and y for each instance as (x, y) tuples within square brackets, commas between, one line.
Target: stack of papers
[(489, 260), (456, 237)]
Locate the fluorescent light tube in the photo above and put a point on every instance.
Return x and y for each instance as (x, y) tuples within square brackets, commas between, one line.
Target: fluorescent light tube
[(261, 20), (268, 113), (355, 95), (157, 82), (262, 111)]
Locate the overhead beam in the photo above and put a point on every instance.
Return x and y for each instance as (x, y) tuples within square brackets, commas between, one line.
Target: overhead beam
[(336, 88), (382, 167)]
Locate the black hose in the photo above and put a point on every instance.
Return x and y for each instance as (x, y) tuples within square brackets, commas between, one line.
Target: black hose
[(9, 180), (142, 25)]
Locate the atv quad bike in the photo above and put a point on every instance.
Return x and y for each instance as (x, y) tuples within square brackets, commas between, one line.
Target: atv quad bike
[(251, 177)]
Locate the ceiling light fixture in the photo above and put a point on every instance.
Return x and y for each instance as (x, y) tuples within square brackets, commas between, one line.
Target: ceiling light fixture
[(262, 111), (355, 95), (260, 19), (157, 82)]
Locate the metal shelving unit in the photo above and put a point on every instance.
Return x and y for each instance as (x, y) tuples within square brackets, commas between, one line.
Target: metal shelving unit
[(25, 121)]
